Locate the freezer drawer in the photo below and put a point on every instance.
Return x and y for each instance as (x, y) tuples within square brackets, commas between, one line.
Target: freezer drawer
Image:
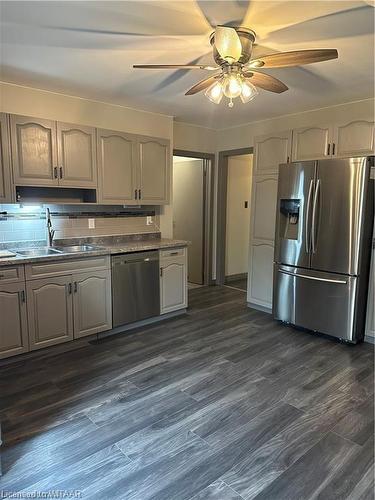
[(318, 301)]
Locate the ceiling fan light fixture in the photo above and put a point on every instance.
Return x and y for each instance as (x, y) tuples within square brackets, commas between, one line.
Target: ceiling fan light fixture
[(228, 44), (248, 91), (215, 93), (232, 86)]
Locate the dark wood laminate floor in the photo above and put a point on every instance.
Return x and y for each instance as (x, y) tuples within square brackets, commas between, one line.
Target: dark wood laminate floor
[(240, 283), (222, 403)]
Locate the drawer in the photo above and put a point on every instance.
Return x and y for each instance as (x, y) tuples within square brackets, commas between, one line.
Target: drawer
[(172, 253), (70, 266), (12, 274)]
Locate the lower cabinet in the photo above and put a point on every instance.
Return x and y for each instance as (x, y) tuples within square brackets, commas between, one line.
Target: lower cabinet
[(13, 320), (173, 280), (92, 303), (50, 311), (260, 283)]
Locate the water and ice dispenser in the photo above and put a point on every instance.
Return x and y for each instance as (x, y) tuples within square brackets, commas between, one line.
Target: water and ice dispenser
[(289, 218)]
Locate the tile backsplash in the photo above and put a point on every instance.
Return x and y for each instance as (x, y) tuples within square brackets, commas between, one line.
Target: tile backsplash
[(28, 223)]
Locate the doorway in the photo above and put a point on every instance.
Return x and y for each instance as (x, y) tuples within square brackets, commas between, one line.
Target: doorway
[(233, 217), (192, 212)]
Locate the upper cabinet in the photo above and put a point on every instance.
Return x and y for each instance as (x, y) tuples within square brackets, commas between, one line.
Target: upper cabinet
[(311, 143), (5, 176), (117, 163), (34, 151), (133, 169), (49, 153), (270, 151), (76, 152), (354, 138), (153, 171)]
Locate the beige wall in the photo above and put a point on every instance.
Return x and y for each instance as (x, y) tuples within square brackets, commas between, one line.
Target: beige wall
[(238, 217), (193, 138)]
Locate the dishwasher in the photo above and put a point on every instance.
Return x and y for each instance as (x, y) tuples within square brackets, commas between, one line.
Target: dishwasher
[(135, 287)]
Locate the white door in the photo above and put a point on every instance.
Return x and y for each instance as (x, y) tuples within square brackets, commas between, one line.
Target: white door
[(188, 211), (154, 178), (263, 207), (13, 320), (312, 143), (76, 155), (270, 151), (260, 282), (356, 138), (92, 303), (5, 187), (34, 151), (117, 164), (50, 311), (173, 280)]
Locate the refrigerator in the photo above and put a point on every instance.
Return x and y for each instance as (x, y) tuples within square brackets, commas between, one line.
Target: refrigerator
[(324, 219)]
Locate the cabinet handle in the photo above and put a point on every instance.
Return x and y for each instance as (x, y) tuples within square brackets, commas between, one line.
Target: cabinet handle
[(55, 175), (61, 172), (161, 272), (287, 159), (75, 287), (139, 194), (2, 276), (333, 148), (22, 296), (173, 253), (328, 149), (69, 288), (135, 193)]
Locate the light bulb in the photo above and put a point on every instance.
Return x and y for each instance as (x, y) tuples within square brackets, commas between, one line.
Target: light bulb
[(248, 91), (215, 93), (232, 86)]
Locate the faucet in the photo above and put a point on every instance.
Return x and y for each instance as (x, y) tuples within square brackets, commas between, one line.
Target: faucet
[(50, 231)]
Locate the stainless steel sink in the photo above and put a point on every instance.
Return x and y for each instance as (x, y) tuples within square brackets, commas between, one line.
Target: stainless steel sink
[(76, 248), (37, 252)]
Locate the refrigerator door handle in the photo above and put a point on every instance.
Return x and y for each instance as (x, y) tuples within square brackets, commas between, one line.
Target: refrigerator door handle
[(314, 216), (315, 278), (307, 218)]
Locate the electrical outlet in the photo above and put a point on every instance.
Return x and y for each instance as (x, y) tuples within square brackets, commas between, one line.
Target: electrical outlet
[(149, 220), (91, 223)]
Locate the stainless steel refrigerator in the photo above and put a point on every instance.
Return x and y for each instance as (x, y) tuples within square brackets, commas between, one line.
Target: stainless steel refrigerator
[(325, 213)]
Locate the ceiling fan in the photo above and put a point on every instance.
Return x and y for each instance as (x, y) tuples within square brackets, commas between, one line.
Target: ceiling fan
[(236, 73)]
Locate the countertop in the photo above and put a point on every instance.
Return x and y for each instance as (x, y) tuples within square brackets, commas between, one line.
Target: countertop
[(138, 245)]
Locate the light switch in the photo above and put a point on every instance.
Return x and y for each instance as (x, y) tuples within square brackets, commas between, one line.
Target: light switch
[(149, 220), (91, 223)]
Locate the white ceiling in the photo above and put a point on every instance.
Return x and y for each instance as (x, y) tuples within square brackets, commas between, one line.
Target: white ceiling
[(88, 49)]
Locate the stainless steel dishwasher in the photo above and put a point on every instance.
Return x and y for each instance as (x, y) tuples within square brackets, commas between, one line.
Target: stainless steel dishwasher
[(135, 287)]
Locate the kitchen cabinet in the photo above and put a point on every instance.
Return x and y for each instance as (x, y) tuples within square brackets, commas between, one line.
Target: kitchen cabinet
[(173, 280), (50, 311), (34, 151), (76, 152), (263, 212), (117, 161), (154, 171), (311, 143), (260, 279), (5, 167), (92, 303), (370, 316), (13, 323), (270, 151), (342, 140)]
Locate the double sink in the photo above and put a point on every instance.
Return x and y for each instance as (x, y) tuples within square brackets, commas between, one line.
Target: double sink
[(44, 251)]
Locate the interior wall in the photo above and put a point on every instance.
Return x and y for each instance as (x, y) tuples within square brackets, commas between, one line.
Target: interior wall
[(43, 104), (189, 137), (238, 217)]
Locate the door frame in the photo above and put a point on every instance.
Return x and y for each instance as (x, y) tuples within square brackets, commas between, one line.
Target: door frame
[(222, 185), (209, 186)]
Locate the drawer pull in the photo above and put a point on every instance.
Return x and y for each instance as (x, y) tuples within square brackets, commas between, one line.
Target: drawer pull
[(2, 276), (174, 253)]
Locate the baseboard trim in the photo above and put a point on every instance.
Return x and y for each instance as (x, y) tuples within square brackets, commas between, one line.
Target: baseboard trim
[(137, 324), (235, 277), (370, 339), (258, 307)]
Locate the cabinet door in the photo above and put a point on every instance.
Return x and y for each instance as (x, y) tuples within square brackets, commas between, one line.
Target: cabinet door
[(173, 284), (92, 303), (312, 143), (117, 161), (260, 283), (5, 185), (50, 311), (13, 322), (355, 138), (263, 212), (370, 317), (154, 177), (270, 151), (34, 151), (76, 155)]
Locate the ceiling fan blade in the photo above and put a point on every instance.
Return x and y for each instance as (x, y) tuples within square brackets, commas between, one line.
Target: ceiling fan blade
[(175, 66), (294, 58), (266, 82), (228, 44), (203, 84)]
